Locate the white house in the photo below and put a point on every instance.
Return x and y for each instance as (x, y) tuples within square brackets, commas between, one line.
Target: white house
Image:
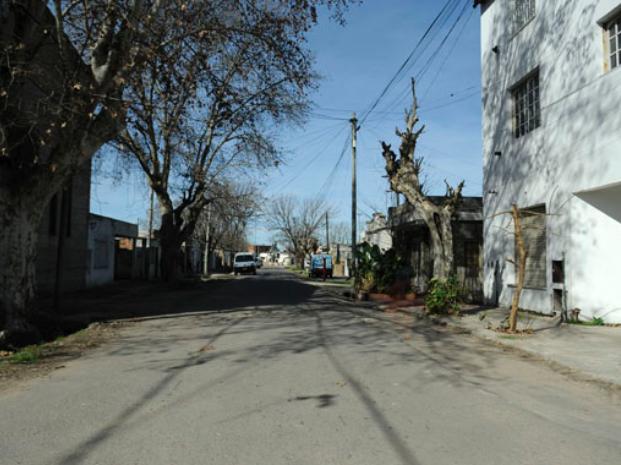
[(551, 91), (377, 232)]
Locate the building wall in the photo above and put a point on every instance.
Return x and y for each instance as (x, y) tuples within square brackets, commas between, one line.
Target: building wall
[(577, 148), (75, 252), (101, 251), (378, 233)]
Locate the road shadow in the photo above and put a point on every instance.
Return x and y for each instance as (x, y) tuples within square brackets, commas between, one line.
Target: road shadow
[(311, 320)]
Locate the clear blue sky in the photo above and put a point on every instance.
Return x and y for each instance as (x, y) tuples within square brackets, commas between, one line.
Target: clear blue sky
[(356, 63)]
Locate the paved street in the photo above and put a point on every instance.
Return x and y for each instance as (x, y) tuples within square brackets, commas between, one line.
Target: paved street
[(288, 373)]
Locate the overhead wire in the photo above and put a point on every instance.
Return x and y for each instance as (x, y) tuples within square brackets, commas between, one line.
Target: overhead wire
[(312, 160), (405, 63)]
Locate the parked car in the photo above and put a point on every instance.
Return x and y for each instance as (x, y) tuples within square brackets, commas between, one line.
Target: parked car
[(244, 263), (317, 265), (258, 262)]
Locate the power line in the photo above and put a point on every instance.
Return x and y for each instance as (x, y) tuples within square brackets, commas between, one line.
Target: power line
[(450, 52), (313, 159), (405, 63), (450, 10)]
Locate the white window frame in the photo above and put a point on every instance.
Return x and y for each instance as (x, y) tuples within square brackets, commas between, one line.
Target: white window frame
[(526, 104), (612, 30)]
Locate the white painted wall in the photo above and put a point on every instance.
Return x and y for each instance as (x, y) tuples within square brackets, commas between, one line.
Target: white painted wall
[(100, 229), (378, 233), (577, 148)]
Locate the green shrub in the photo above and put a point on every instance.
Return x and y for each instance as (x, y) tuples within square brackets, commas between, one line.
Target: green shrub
[(443, 295), (379, 271), (598, 321), (29, 354)]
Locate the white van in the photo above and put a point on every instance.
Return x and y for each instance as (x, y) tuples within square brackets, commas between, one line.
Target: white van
[(244, 263)]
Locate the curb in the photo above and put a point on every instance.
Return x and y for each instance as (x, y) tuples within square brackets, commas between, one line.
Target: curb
[(575, 374)]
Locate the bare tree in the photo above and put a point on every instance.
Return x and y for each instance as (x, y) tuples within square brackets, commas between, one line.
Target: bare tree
[(340, 233), (223, 224), (64, 76), (201, 111), (297, 223), (404, 174), (63, 69)]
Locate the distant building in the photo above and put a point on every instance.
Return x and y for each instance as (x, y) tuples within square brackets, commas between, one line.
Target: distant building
[(113, 252), (551, 81), (258, 249), (377, 232), (411, 240)]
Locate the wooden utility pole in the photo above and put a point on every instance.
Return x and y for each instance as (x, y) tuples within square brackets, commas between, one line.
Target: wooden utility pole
[(207, 241), (354, 209), (327, 233)]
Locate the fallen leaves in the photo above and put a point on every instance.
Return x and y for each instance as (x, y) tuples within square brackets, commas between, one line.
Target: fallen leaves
[(207, 348)]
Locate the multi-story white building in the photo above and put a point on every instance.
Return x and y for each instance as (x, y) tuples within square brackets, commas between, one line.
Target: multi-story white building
[(551, 78)]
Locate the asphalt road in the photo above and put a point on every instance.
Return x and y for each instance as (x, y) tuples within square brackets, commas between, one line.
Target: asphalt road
[(290, 374)]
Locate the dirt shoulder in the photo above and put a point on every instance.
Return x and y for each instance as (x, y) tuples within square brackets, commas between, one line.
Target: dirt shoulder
[(39, 360)]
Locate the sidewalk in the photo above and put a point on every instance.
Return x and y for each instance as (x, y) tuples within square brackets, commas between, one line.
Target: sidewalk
[(588, 352)]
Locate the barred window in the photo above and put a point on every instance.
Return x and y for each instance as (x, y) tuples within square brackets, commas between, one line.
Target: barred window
[(526, 106), (613, 30), (523, 12)]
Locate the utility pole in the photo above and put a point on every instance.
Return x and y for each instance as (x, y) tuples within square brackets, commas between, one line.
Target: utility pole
[(354, 209), (327, 233), (150, 226), (207, 241)]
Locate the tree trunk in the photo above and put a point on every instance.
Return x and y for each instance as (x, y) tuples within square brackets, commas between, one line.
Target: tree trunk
[(521, 268), (18, 253), (441, 241), (172, 257)]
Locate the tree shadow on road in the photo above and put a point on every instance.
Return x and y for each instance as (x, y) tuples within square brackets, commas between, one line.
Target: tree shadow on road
[(312, 320)]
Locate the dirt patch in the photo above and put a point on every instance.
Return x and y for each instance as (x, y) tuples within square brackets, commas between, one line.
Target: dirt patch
[(40, 360)]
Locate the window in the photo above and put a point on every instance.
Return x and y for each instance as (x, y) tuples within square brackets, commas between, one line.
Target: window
[(534, 232), (526, 106), (613, 32), (523, 12)]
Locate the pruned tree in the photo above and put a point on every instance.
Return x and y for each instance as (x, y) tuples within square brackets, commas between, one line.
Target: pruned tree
[(65, 70), (522, 221), (520, 266), (404, 174), (297, 224)]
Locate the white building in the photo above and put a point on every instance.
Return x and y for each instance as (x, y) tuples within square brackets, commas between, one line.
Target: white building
[(551, 78), (377, 232)]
